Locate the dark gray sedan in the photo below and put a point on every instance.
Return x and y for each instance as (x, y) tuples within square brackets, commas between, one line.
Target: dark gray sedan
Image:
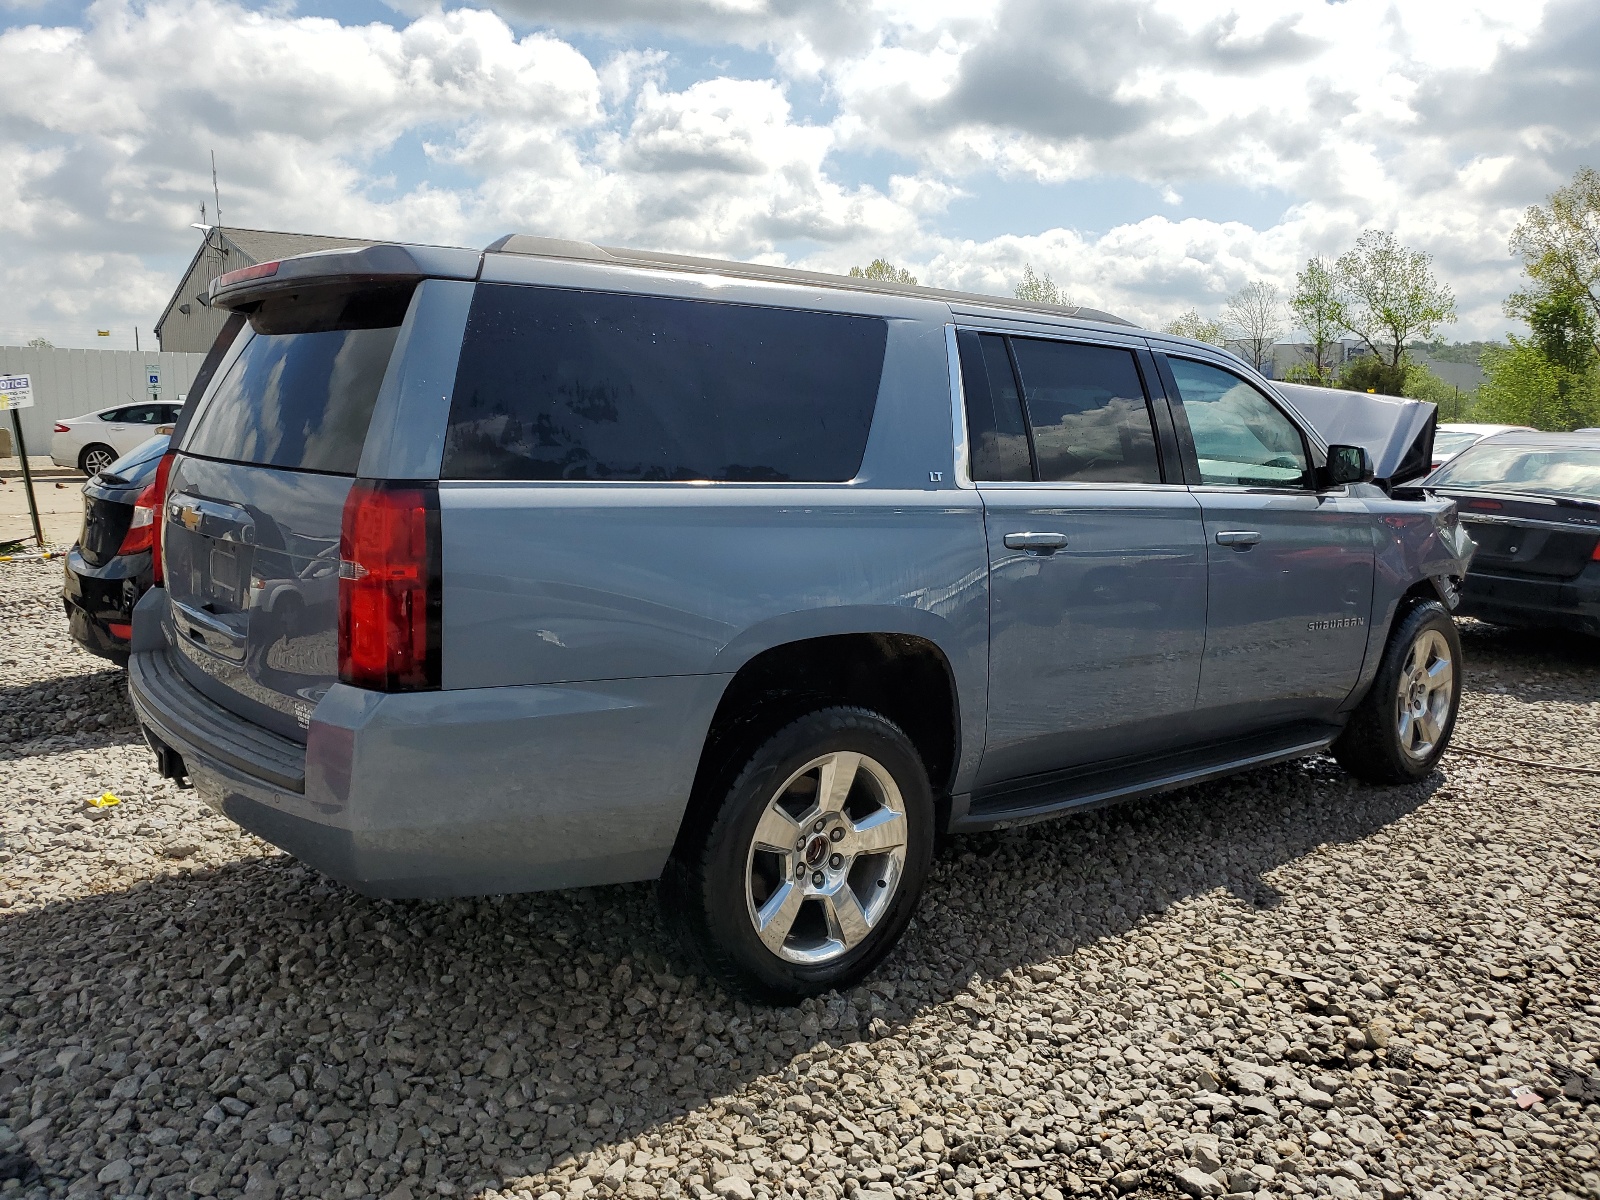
[(1531, 501)]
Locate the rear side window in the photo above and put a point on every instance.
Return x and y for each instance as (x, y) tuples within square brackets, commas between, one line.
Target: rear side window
[(1086, 404), (570, 385), (301, 393), (996, 435)]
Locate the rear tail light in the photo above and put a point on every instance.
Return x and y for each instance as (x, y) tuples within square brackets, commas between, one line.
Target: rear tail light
[(389, 586), (1485, 505), (245, 274), (60, 428), (1595, 557), (144, 533), (141, 533)]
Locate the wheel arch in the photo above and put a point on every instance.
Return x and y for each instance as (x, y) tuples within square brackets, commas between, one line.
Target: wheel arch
[(907, 677)]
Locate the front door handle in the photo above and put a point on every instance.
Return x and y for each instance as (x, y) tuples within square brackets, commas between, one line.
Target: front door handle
[(1239, 539), (1038, 543)]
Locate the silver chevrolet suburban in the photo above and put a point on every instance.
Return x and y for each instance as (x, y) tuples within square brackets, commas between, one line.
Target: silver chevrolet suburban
[(559, 564)]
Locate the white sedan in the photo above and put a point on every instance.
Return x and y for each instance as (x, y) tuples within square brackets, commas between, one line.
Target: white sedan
[(95, 440)]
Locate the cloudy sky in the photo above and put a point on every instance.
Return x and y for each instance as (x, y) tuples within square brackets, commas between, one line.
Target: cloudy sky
[(1149, 154)]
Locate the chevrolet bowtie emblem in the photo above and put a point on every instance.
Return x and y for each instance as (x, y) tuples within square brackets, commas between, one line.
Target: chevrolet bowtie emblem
[(187, 515)]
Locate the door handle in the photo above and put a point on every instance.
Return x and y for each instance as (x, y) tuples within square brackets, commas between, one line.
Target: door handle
[(1040, 543), (1239, 539)]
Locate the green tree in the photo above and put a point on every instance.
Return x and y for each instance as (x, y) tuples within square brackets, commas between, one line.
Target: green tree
[(1317, 304), (40, 343), (1423, 384), (1559, 244), (1191, 324), (1524, 386), (882, 268), (1039, 288), (1390, 298), (1369, 373)]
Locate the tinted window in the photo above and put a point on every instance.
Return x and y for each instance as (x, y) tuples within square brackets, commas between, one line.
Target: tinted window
[(997, 440), (558, 384), (296, 400), (142, 414), (1087, 408), (1240, 437), (116, 414)]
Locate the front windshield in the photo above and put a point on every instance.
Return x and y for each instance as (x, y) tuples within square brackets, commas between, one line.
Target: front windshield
[(1542, 470), (1451, 441)]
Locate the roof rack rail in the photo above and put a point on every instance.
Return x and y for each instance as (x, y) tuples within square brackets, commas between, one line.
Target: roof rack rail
[(545, 247)]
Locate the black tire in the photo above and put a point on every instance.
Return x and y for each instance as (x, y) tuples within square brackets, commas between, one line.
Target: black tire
[(94, 451), (703, 891), (1370, 748)]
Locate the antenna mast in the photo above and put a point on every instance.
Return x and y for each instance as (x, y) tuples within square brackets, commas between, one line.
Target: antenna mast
[(215, 194)]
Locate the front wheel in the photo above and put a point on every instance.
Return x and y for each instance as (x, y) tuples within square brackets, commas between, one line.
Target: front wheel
[(808, 871), (1403, 724)]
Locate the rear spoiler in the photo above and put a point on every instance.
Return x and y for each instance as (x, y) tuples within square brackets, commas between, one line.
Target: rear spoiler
[(1397, 433), (247, 286)]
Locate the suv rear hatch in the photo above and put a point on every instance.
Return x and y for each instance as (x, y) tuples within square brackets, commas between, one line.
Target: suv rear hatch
[(257, 491)]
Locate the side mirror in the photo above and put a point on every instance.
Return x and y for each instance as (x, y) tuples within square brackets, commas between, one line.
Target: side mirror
[(1347, 464)]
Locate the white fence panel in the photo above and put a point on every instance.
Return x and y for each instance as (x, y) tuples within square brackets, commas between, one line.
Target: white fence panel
[(69, 383)]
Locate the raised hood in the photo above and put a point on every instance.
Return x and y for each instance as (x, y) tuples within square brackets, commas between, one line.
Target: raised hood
[(1395, 432)]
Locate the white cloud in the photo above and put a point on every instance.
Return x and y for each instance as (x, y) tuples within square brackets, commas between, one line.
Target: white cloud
[(1440, 119)]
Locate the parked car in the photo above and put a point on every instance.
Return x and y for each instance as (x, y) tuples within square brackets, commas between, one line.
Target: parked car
[(750, 580), (1532, 504), (111, 566), (1453, 438), (95, 440)]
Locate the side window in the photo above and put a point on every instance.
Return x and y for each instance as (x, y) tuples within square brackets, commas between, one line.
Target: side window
[(1087, 408), (997, 439), (557, 384), (143, 414), (1240, 437), (117, 415)]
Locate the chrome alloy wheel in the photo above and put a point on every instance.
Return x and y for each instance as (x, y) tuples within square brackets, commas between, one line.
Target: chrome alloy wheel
[(97, 460), (1427, 687), (826, 859)]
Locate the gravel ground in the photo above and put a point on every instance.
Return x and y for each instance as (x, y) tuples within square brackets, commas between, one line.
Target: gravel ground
[(1280, 985)]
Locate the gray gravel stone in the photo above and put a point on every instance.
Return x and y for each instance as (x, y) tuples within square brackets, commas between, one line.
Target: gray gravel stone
[(1305, 985)]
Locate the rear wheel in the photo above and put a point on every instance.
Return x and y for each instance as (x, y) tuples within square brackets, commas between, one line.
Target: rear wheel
[(1404, 723), (808, 871), (95, 458)]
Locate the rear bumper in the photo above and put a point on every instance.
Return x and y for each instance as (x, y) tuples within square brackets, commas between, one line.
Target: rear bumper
[(1545, 603), (95, 598), (474, 792)]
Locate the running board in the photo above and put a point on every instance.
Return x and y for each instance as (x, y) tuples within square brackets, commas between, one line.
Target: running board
[(1040, 797)]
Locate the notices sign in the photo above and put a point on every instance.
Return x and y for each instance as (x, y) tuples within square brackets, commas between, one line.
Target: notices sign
[(152, 380), (16, 391)]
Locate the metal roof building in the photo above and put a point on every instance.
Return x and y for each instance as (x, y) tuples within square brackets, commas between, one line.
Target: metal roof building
[(188, 323)]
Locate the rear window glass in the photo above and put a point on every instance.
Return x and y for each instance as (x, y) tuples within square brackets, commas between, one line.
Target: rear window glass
[(1542, 470), (571, 385), (299, 400)]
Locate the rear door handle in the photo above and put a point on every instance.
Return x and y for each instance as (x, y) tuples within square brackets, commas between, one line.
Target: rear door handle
[(1039, 543), (1239, 539)]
